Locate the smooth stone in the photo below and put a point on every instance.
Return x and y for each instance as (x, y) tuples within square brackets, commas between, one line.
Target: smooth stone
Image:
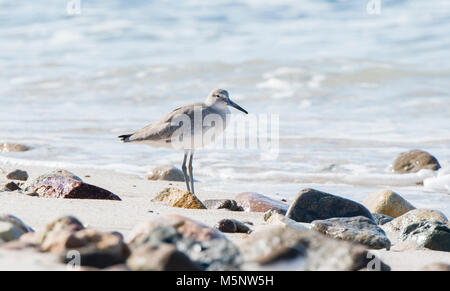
[(166, 173), (310, 205), (96, 249), (273, 217), (13, 147), (11, 186), (382, 219), (17, 175), (164, 257), (357, 229), (414, 161), (387, 202), (232, 226), (205, 246), (414, 216), (222, 204), (16, 221), (59, 186), (430, 234), (9, 232), (55, 233), (301, 250), (255, 202), (178, 198)]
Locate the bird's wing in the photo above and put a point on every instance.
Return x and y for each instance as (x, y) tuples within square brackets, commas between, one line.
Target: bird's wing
[(163, 128)]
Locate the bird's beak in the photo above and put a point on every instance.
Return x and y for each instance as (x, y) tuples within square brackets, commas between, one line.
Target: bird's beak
[(231, 103)]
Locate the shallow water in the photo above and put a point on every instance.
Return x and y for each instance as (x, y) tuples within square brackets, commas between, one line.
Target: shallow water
[(352, 90)]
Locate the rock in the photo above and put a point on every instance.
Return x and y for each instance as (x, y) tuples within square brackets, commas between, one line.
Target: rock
[(357, 229), (13, 147), (67, 174), (95, 248), (388, 203), (164, 257), (58, 186), (273, 217), (430, 234), (17, 222), (222, 204), (11, 186), (310, 205), (9, 232), (166, 173), (414, 161), (54, 235), (232, 226), (206, 247), (179, 198), (17, 175), (382, 219), (414, 216), (436, 267), (255, 202), (301, 250)]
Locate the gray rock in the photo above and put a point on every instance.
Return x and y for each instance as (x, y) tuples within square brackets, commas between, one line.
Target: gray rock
[(414, 161), (357, 229), (382, 219), (9, 232), (17, 175), (430, 234), (310, 205), (222, 204), (301, 250), (166, 173), (414, 216), (16, 221)]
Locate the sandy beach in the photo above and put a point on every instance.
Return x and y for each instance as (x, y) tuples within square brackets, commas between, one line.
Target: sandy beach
[(136, 207)]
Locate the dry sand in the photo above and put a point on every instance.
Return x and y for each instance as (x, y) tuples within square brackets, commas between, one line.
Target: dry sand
[(136, 206)]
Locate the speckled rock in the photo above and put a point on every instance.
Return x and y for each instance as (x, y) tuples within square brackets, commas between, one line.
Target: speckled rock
[(17, 175), (163, 257), (232, 226), (255, 202), (67, 174), (301, 250), (222, 204), (357, 229), (430, 234), (13, 147), (179, 198), (310, 205), (207, 247), (166, 173), (414, 161), (382, 219), (414, 216), (59, 186), (388, 203)]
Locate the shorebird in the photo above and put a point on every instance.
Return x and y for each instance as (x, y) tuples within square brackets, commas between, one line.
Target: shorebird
[(188, 128)]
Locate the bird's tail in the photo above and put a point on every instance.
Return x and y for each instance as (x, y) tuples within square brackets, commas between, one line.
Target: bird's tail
[(125, 137)]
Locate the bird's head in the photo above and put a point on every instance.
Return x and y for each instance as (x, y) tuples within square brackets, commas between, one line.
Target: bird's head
[(221, 98)]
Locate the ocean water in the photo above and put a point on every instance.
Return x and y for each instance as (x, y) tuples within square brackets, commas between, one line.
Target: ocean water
[(352, 89)]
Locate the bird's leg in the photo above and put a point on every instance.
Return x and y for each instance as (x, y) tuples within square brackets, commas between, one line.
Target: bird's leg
[(191, 175), (183, 167)]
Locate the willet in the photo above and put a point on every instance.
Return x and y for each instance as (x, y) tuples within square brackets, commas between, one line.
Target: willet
[(188, 128)]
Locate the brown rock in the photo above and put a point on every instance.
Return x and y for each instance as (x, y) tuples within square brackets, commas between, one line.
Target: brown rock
[(52, 238), (17, 175), (58, 186), (388, 203), (414, 216), (179, 198), (232, 226), (166, 173), (255, 202), (164, 257), (414, 161), (436, 267), (11, 186), (13, 147), (222, 204)]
